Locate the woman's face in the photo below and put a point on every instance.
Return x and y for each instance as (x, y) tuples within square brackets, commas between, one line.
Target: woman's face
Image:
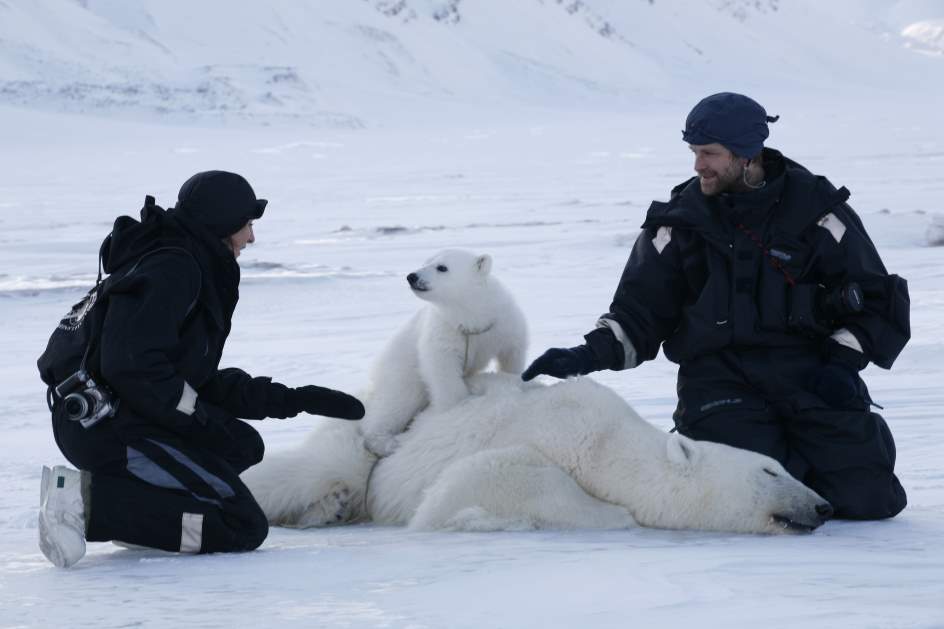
[(238, 241)]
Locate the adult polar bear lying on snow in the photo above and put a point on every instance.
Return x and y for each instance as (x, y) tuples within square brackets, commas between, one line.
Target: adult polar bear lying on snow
[(523, 455)]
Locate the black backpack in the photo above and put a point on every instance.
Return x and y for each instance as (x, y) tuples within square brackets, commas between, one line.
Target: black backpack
[(73, 347)]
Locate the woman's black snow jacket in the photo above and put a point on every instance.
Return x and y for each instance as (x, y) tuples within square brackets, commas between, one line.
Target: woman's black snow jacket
[(166, 324), (712, 273)]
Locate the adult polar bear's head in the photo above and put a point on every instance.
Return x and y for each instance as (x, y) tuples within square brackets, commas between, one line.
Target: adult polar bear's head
[(730, 489), (669, 481), (450, 277)]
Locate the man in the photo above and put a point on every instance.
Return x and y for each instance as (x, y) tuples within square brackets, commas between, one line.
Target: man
[(760, 281), (163, 471)]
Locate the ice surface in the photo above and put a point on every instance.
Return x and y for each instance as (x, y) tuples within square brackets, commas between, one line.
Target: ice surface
[(324, 287)]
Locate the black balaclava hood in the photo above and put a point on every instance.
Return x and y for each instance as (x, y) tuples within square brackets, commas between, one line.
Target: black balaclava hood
[(220, 201)]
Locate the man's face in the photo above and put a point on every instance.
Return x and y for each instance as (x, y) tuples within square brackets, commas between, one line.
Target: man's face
[(718, 168)]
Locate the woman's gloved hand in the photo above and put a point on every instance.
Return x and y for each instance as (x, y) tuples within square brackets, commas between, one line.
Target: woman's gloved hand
[(320, 401)]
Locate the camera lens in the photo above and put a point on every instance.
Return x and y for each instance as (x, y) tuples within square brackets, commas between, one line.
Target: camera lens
[(76, 406), (852, 298), (840, 302)]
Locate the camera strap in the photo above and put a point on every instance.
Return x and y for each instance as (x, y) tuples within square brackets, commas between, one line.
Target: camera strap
[(775, 262)]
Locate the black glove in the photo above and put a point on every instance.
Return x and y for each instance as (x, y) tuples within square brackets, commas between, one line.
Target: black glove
[(836, 384), (321, 401), (838, 381), (563, 362)]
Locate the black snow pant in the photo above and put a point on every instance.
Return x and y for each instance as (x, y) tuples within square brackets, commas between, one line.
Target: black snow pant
[(761, 400), (160, 490)]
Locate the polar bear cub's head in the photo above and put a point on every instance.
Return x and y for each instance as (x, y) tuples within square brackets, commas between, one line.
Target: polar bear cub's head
[(450, 277)]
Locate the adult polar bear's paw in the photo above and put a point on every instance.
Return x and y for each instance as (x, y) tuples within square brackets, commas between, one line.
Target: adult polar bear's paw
[(317, 484), (333, 508), (513, 488)]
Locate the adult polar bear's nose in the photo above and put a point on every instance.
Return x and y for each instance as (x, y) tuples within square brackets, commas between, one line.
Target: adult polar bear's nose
[(824, 510)]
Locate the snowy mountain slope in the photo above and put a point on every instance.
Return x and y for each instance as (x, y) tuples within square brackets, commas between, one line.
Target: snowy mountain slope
[(341, 62)]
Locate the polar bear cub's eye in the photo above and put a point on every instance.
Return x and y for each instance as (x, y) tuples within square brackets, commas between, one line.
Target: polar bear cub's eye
[(771, 472), (442, 268)]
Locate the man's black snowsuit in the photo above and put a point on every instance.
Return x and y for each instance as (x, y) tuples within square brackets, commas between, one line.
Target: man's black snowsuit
[(165, 469), (716, 281)]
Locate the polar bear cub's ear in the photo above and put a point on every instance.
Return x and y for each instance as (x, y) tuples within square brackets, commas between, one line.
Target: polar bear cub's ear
[(483, 264), (682, 451)]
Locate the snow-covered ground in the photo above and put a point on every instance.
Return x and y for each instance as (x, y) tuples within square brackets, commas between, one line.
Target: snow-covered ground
[(380, 136), (557, 202)]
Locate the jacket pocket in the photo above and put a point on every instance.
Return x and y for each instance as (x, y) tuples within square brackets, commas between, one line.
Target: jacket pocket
[(698, 406), (784, 266)]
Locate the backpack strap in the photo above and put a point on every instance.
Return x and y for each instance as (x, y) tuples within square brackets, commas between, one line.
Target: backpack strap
[(93, 340), (137, 263)]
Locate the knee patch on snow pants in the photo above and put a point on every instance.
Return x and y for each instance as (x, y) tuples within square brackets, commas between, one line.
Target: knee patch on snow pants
[(163, 492), (852, 461), (847, 457)]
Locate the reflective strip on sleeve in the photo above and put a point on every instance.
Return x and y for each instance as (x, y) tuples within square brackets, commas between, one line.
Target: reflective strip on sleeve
[(833, 225), (662, 239), (191, 532), (847, 338), (629, 352), (188, 400)]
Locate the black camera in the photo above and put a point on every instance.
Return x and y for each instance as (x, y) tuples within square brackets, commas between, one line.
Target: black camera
[(817, 310), (84, 401), (840, 302)]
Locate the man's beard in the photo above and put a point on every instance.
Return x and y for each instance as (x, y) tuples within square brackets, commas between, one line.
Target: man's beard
[(728, 180)]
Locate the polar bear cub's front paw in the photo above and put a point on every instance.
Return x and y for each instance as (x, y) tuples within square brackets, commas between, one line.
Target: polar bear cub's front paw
[(381, 444)]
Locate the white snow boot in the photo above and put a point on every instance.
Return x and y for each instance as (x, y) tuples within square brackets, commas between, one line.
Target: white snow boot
[(62, 516)]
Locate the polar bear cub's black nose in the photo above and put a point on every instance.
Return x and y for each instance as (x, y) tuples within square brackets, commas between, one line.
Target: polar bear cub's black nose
[(412, 278)]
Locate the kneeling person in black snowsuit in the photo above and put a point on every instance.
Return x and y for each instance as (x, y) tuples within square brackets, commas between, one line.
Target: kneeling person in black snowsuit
[(163, 472), (760, 281)]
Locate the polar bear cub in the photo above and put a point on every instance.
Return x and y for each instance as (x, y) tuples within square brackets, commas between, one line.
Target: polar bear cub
[(470, 320)]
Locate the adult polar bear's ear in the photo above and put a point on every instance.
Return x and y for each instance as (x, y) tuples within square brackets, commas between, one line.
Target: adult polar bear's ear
[(682, 451), (483, 264)]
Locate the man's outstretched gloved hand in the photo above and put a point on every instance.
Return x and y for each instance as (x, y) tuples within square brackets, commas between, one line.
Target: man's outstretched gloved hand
[(837, 382), (321, 401), (562, 362)]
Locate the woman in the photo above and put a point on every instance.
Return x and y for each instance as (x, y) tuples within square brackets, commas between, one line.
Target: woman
[(163, 472)]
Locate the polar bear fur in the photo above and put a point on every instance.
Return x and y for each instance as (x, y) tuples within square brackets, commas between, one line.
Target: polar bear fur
[(524, 455), (469, 321)]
